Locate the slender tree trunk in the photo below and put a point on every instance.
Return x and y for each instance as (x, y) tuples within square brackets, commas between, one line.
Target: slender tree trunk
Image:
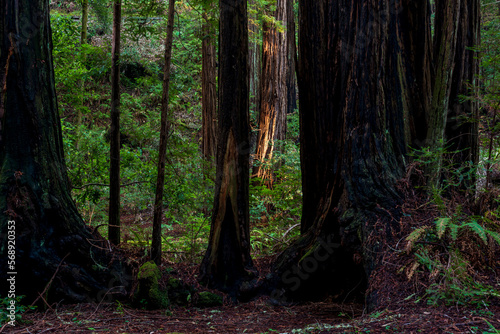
[(209, 91), (160, 181), (255, 68), (114, 178), (445, 41), (227, 262), (291, 82), (85, 18), (353, 82), (462, 128), (52, 243), (273, 106)]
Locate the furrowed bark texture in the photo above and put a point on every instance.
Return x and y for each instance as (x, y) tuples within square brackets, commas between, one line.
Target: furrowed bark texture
[(445, 42), (273, 106), (50, 236), (164, 128), (462, 128), (354, 85), (227, 262)]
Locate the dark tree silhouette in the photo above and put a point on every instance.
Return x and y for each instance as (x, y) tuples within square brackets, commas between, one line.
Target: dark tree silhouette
[(114, 130), (227, 262), (160, 182), (355, 88), (51, 240)]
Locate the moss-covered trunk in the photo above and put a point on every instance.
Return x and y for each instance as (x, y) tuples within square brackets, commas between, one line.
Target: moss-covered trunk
[(227, 262), (50, 236)]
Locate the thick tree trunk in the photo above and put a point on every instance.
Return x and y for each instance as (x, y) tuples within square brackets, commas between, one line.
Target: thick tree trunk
[(353, 81), (462, 128), (227, 262), (417, 54), (445, 42), (272, 117), (114, 154), (51, 240), (209, 91), (160, 181)]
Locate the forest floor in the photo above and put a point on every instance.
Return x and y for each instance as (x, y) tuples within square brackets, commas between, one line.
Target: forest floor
[(259, 316)]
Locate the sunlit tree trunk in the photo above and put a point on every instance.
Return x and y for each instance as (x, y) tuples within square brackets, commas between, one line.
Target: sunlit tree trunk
[(114, 178), (164, 127), (273, 106), (227, 262), (52, 243)]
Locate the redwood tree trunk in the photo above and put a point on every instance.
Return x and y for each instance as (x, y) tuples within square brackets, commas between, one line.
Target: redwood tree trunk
[(160, 181), (445, 43), (50, 237), (114, 170), (227, 262), (273, 106), (353, 85), (209, 91), (462, 128)]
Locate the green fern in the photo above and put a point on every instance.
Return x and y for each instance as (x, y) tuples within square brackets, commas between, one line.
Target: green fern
[(478, 229), (494, 235), (414, 237), (441, 225)]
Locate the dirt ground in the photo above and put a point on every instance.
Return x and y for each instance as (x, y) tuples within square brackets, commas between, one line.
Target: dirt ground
[(259, 317)]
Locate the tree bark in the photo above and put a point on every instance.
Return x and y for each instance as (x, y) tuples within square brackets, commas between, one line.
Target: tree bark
[(462, 128), (227, 262), (445, 42), (291, 82), (209, 91), (353, 80), (51, 240), (164, 129), (114, 171), (85, 18), (273, 106)]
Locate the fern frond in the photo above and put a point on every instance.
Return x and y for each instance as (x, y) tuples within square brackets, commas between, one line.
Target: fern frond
[(454, 231), (478, 229), (494, 235), (441, 225), (414, 236)]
